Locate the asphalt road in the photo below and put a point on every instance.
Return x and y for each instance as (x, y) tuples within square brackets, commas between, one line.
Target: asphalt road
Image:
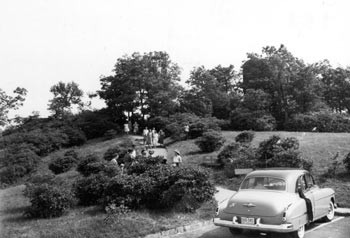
[(338, 228)]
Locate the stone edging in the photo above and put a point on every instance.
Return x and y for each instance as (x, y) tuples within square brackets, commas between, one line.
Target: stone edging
[(180, 229)]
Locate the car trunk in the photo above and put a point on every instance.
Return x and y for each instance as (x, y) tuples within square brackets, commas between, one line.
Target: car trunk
[(259, 203)]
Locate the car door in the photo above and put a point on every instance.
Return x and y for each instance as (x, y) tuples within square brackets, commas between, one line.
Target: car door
[(321, 203)]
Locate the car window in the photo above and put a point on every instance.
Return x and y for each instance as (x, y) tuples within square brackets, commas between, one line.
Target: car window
[(261, 183)]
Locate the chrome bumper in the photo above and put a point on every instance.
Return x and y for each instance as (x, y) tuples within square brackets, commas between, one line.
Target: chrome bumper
[(283, 228)]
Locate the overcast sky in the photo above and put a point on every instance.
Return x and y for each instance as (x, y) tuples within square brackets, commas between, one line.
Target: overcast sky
[(43, 42)]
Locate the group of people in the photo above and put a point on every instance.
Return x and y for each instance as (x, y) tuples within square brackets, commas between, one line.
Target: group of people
[(152, 138), (130, 158), (129, 127)]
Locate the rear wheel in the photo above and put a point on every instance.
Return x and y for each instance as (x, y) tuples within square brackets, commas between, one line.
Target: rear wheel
[(330, 214), (299, 233), (236, 231)]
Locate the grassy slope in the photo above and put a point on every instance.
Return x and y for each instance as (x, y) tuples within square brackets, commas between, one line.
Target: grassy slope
[(319, 147), (83, 222)]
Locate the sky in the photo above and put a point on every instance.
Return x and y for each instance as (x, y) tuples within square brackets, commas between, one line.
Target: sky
[(43, 42)]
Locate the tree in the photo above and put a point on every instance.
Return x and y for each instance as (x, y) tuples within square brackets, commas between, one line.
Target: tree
[(215, 86), (65, 95), (8, 103), (293, 86), (145, 84)]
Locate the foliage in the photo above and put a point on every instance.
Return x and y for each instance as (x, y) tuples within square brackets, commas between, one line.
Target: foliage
[(281, 152), (110, 134), (292, 85), (62, 164), (210, 92), (89, 190), (65, 95), (92, 164), (319, 121), (190, 189), (114, 151), (197, 125), (47, 200), (95, 123), (18, 160), (8, 103), (210, 141), (245, 137), (157, 122), (243, 119), (346, 162), (147, 82), (128, 190)]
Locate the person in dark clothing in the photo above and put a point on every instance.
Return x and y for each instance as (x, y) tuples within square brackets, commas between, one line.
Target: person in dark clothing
[(308, 202)]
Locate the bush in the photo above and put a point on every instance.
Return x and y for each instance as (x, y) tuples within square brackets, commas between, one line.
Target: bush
[(61, 165), (114, 151), (245, 137), (281, 152), (72, 153), (18, 160), (47, 200), (110, 134), (145, 164), (128, 190), (319, 121), (197, 125), (210, 141), (346, 162), (242, 119), (90, 190), (95, 123), (76, 137), (92, 164), (189, 190)]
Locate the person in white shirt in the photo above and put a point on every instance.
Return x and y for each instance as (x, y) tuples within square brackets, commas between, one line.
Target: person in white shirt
[(177, 159)]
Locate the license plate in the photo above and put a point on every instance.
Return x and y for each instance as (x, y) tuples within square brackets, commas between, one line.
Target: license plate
[(247, 221)]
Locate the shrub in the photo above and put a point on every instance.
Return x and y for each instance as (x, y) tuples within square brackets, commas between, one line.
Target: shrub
[(76, 137), (95, 123), (92, 164), (110, 134), (190, 189), (197, 125), (18, 161), (210, 141), (72, 153), (145, 164), (245, 137), (319, 121), (157, 122), (114, 151), (62, 164), (228, 153), (243, 119), (90, 190), (128, 190), (47, 200), (281, 152), (346, 162)]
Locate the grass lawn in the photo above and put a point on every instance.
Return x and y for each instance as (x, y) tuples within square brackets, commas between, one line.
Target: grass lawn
[(319, 147), (85, 222)]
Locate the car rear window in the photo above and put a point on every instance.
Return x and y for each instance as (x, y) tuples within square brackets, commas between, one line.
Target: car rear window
[(264, 183)]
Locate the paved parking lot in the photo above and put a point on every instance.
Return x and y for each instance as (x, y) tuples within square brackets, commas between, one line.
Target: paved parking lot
[(338, 228)]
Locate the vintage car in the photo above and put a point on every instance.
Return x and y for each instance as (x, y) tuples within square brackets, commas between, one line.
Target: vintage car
[(274, 200)]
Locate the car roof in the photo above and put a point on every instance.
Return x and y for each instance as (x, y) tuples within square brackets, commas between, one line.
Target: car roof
[(290, 175)]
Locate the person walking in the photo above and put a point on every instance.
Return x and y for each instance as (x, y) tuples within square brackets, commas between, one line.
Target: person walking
[(145, 135), (177, 159), (161, 137), (136, 128)]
